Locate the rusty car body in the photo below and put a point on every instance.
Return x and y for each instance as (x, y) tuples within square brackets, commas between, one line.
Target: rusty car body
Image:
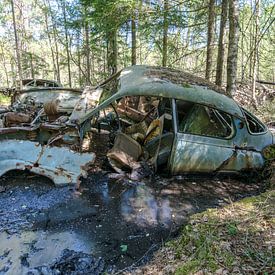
[(168, 119), (28, 128)]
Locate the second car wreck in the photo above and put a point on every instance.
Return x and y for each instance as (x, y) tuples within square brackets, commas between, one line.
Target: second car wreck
[(158, 119), (33, 135)]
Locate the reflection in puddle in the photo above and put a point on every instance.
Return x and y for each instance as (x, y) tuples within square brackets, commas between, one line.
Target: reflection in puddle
[(140, 206)]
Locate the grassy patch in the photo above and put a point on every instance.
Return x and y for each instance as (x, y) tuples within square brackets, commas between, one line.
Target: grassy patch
[(4, 100), (236, 239)]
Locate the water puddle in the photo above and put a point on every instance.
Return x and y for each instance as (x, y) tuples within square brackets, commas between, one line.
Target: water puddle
[(121, 222)]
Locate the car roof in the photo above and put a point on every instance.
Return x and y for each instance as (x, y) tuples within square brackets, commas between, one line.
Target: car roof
[(40, 81), (170, 83), (142, 80)]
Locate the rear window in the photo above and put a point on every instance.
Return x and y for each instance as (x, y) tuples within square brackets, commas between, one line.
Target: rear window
[(253, 124)]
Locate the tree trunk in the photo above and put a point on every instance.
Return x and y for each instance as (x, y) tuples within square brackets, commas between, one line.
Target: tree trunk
[(255, 53), (251, 36), (112, 51), (67, 42), (221, 48), (242, 52), (87, 54), (55, 42), (13, 75), (165, 33), (79, 61), (56, 55), (4, 65), (51, 46), (87, 47), (232, 57), (210, 38), (32, 67), (134, 40), (17, 47)]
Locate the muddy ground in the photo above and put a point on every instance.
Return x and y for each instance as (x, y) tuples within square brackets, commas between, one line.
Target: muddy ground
[(107, 225)]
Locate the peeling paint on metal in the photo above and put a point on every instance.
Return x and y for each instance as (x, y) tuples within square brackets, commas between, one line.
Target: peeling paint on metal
[(60, 164)]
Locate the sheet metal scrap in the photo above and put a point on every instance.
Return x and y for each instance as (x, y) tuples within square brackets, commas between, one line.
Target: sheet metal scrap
[(61, 165)]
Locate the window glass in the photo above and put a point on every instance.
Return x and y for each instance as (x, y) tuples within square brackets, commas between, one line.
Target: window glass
[(205, 121), (253, 124)]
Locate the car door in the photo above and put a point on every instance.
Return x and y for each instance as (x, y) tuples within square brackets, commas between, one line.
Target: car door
[(203, 138)]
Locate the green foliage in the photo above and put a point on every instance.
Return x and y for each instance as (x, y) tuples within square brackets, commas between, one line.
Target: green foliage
[(43, 47), (4, 100), (232, 229)]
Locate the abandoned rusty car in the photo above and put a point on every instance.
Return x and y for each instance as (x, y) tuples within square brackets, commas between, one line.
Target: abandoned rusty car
[(167, 119)]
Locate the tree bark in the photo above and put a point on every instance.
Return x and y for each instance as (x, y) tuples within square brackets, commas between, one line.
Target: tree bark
[(55, 42), (4, 65), (134, 40), (32, 67), (112, 51), (51, 46), (165, 33), (255, 53), (17, 48), (87, 47), (79, 61), (232, 57), (67, 42), (221, 47), (210, 38)]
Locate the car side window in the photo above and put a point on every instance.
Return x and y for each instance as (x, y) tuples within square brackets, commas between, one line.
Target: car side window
[(205, 121), (253, 124)]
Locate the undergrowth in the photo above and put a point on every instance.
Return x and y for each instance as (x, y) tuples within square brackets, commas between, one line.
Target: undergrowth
[(4, 100), (236, 239)]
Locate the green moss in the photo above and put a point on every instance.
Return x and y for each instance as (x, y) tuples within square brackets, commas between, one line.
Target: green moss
[(187, 268), (214, 237), (269, 152), (232, 229), (4, 100), (186, 85)]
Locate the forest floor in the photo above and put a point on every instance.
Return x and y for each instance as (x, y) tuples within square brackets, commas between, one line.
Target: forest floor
[(117, 225)]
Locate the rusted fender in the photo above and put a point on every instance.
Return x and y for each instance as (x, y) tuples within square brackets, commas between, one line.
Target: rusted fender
[(62, 165)]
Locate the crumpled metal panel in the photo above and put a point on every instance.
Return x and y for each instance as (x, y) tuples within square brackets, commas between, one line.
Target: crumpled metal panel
[(60, 164), (89, 100)]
